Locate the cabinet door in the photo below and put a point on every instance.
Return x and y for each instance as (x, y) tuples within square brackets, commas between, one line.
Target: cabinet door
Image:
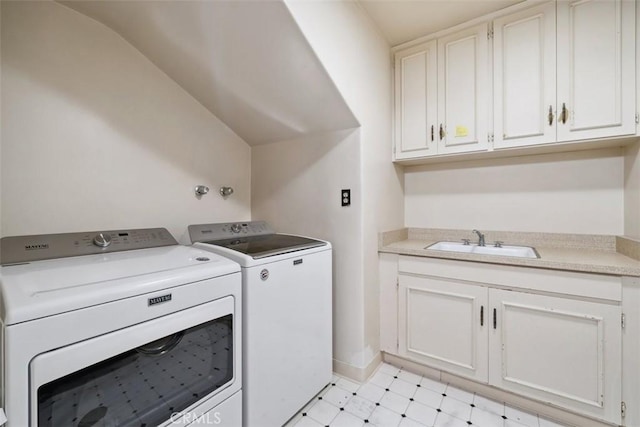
[(416, 101), (596, 68), (441, 325), (524, 77), (463, 85), (557, 350)]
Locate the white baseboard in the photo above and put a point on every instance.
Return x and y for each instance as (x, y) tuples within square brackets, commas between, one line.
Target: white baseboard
[(410, 366), (355, 373)]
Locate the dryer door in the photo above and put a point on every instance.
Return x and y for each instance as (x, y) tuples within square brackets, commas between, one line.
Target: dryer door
[(141, 375)]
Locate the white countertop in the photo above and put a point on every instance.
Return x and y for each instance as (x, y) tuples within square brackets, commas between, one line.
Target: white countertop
[(602, 261)]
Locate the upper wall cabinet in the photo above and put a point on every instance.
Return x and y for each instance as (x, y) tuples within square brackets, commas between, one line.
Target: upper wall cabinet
[(524, 77), (441, 95), (462, 91), (596, 68), (562, 72), (585, 94), (416, 98)]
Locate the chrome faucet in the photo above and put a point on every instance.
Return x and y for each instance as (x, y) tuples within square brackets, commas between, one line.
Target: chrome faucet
[(480, 237)]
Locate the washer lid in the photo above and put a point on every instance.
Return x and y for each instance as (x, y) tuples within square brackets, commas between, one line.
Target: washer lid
[(267, 245), (49, 287)]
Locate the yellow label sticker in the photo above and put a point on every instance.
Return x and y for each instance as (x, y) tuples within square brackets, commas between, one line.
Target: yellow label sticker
[(461, 131)]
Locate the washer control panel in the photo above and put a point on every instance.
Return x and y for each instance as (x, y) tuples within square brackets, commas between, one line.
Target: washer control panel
[(21, 249), (227, 230)]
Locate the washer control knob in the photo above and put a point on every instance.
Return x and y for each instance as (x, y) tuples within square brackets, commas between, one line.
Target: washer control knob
[(236, 228), (102, 240)]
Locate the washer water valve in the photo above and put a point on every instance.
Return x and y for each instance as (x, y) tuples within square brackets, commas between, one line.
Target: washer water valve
[(201, 190), (226, 191)]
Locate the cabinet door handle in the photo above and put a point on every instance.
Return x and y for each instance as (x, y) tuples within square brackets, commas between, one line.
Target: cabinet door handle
[(482, 315), (564, 114), (550, 115), (495, 319), (431, 132), (441, 132)]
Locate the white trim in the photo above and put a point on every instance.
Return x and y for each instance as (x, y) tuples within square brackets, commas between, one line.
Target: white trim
[(484, 18), (355, 373)]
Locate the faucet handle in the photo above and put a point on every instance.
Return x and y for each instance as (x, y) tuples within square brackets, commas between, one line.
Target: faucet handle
[(498, 243), (466, 242)]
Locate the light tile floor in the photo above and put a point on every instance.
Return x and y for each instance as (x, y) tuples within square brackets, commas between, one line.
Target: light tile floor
[(397, 398)]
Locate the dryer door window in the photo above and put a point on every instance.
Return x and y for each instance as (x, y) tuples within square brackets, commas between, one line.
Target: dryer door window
[(146, 385)]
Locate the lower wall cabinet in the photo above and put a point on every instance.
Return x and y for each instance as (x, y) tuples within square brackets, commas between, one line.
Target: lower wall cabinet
[(554, 348), (444, 324), (558, 350)]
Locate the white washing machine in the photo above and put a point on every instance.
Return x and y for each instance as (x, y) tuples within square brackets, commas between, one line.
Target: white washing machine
[(287, 315), (119, 328)]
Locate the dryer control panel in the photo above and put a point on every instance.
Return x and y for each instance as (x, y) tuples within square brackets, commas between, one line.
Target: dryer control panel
[(21, 249)]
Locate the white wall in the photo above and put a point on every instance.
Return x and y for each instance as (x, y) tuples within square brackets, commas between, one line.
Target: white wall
[(632, 191), (94, 136), (296, 187), (382, 190), (1, 123), (358, 60), (581, 192)]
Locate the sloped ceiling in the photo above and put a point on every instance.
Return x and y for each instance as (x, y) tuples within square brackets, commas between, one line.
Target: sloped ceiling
[(245, 61), (403, 20)]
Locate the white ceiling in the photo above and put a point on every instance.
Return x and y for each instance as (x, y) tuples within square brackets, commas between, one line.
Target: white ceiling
[(246, 61), (404, 20)]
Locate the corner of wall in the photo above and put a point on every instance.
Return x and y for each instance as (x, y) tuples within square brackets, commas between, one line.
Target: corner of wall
[(632, 190), (1, 127), (355, 373)]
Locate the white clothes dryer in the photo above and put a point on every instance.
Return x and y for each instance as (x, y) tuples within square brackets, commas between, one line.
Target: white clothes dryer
[(118, 328)]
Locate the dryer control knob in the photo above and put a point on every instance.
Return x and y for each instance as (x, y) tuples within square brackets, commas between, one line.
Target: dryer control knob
[(102, 240), (236, 228)]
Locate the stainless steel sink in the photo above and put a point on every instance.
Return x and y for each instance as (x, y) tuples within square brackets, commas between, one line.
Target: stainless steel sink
[(505, 250)]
